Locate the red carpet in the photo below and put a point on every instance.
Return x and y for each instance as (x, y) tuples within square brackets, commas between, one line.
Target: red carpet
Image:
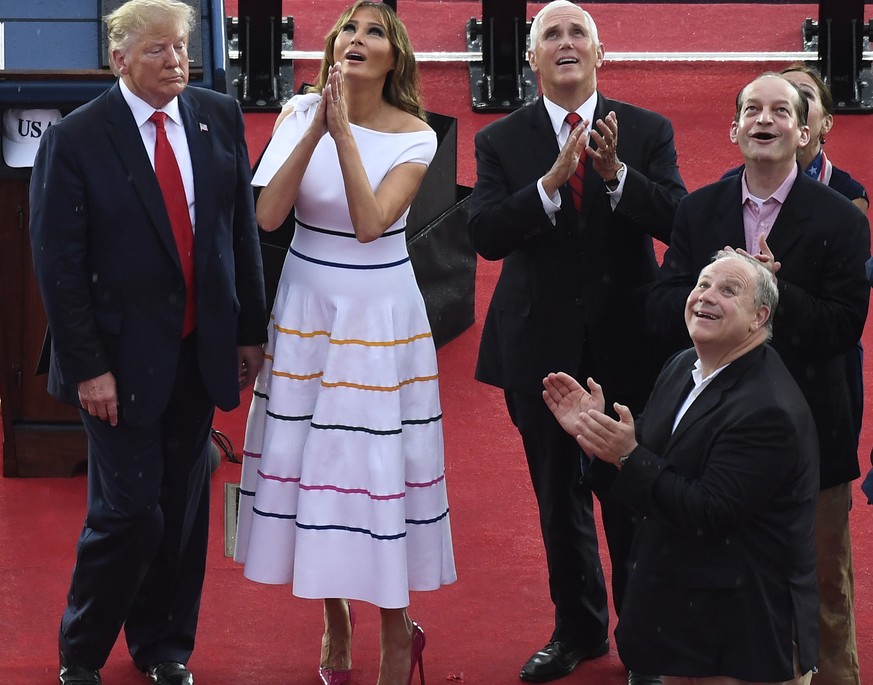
[(481, 629)]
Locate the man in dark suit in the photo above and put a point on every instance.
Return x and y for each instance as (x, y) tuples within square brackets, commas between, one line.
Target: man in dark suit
[(723, 466), (149, 332), (822, 243), (571, 294)]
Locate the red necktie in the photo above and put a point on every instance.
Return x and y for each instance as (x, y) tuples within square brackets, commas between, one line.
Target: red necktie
[(170, 180), (576, 180)]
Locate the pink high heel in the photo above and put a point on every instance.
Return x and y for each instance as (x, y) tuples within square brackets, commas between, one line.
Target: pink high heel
[(340, 676), (418, 643)]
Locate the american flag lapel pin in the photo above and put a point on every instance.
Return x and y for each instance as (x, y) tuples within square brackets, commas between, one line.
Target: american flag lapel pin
[(204, 128)]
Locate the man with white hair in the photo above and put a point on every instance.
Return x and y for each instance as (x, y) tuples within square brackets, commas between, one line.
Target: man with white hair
[(571, 207), (723, 465)]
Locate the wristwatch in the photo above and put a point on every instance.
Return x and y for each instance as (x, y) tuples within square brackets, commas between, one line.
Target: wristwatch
[(612, 184)]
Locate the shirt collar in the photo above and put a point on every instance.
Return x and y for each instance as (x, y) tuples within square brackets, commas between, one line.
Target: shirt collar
[(697, 374), (142, 110), (780, 194), (557, 113)]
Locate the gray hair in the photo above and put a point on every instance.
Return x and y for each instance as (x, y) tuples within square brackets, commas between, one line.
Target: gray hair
[(538, 19), (138, 16), (766, 292)]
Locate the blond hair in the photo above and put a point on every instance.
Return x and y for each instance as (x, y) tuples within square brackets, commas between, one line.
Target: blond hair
[(136, 17)]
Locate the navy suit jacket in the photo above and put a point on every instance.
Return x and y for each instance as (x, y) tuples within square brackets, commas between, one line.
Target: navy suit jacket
[(823, 242), (723, 566), (575, 289), (107, 264)]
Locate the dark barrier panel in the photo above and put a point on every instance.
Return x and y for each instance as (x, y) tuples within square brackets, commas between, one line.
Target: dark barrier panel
[(503, 80), (261, 79), (841, 32)]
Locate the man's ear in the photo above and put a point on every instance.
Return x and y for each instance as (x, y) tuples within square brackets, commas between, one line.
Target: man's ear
[(804, 136), (734, 131), (762, 316), (119, 62), (532, 61)]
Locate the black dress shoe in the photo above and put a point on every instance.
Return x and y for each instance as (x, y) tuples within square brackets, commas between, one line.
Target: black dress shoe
[(558, 659), (170, 673), (640, 679), (70, 674)]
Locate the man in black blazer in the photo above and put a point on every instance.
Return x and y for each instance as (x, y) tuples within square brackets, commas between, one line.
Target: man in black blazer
[(571, 294), (115, 291), (821, 242), (723, 466)]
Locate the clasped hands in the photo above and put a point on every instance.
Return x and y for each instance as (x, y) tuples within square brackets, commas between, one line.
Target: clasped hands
[(332, 112), (604, 157), (580, 412)]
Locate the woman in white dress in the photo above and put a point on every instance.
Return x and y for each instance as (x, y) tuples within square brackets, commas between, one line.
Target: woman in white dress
[(343, 485)]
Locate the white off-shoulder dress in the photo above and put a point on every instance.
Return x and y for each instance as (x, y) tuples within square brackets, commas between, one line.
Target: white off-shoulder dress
[(343, 488)]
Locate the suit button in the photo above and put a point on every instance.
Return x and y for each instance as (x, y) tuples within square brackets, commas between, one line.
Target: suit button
[(580, 301)]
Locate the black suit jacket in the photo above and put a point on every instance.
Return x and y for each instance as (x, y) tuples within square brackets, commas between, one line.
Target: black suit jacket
[(823, 242), (577, 287), (106, 260), (723, 567)]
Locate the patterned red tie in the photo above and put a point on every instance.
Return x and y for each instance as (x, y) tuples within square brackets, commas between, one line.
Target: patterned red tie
[(577, 179), (170, 180)]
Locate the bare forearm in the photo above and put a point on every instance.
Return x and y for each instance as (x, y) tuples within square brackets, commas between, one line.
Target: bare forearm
[(279, 195)]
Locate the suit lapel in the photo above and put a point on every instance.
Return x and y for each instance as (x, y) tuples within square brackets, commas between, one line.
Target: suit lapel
[(727, 223), (671, 391), (708, 400), (789, 225), (543, 144), (198, 131), (712, 395), (122, 131)]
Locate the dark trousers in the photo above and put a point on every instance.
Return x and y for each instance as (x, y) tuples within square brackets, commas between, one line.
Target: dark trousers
[(565, 502), (141, 558)]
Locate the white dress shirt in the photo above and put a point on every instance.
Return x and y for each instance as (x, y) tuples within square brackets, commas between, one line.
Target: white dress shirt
[(141, 111)]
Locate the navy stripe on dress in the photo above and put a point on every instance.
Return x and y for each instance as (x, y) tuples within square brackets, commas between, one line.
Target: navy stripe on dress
[(347, 266), (345, 234)]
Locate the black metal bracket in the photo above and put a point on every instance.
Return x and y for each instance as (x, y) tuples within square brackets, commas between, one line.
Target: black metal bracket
[(261, 78), (503, 80), (839, 38)]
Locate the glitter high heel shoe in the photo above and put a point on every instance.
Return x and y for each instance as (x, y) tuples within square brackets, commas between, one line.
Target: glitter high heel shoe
[(339, 676), (418, 643)]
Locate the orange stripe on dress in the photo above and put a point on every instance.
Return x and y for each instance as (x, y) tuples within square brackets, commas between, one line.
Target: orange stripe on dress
[(353, 341), (389, 343), (297, 377), (378, 388), (301, 334)]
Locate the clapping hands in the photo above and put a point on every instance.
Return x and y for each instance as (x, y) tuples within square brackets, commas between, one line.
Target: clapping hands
[(580, 413)]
